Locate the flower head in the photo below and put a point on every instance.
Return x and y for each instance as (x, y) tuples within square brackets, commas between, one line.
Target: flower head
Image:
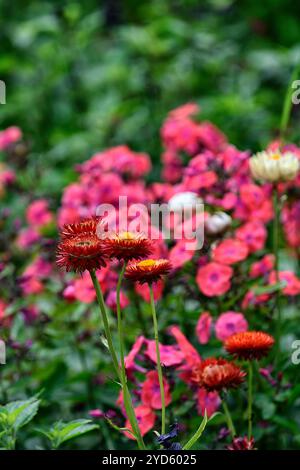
[(148, 270), (214, 279), (127, 246), (229, 323), (242, 443), (78, 228), (274, 166), (249, 344), (80, 248), (218, 374)]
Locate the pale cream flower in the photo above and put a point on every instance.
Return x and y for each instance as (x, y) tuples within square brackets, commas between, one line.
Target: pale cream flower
[(274, 166)]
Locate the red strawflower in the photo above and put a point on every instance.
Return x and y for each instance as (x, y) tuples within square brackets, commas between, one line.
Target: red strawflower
[(242, 443), (78, 228), (127, 245), (217, 374), (249, 344), (80, 247), (148, 270)]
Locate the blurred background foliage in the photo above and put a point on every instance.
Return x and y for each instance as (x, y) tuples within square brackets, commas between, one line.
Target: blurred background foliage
[(82, 76)]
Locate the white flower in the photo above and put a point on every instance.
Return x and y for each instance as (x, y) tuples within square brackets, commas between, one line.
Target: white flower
[(218, 223), (185, 200), (274, 166)]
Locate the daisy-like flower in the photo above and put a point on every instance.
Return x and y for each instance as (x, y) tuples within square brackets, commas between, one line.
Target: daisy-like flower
[(217, 374), (148, 270), (242, 443), (80, 248), (127, 245), (78, 228), (274, 166), (249, 344)]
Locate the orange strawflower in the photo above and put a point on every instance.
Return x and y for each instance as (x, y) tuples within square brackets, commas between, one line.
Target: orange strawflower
[(249, 344), (126, 246), (148, 270), (80, 248), (217, 374)]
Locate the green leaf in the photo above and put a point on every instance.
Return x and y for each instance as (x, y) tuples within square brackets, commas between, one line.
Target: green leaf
[(269, 289), (197, 434), (62, 432), (18, 413)]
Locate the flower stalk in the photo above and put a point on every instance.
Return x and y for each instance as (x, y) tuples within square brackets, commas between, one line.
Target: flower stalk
[(159, 368), (120, 373), (228, 419), (276, 204), (250, 398)]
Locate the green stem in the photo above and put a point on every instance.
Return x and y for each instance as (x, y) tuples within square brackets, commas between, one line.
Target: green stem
[(159, 368), (287, 105), (228, 419), (126, 396), (250, 398), (120, 326), (130, 409), (101, 303), (276, 254)]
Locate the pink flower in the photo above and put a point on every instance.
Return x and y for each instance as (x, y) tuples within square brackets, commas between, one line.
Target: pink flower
[(293, 283), (151, 391), (203, 328), (111, 300), (37, 213), (4, 319), (229, 323), (214, 279), (7, 176), (230, 251), (69, 293), (262, 267), (209, 401), (254, 234), (145, 418), (130, 358), (191, 356), (252, 299), (252, 195), (169, 355), (83, 289), (179, 255), (144, 292), (9, 136), (27, 237)]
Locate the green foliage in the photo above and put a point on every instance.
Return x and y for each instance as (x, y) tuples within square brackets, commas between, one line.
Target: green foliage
[(61, 432), (13, 417)]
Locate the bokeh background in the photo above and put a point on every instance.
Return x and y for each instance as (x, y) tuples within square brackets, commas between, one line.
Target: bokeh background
[(87, 75)]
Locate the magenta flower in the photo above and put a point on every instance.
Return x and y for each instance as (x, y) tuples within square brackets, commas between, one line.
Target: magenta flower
[(229, 323), (151, 392), (214, 279), (203, 328), (230, 251)]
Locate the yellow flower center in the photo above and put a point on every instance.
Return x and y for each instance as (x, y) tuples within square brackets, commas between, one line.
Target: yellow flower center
[(147, 262), (126, 236), (275, 156)]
